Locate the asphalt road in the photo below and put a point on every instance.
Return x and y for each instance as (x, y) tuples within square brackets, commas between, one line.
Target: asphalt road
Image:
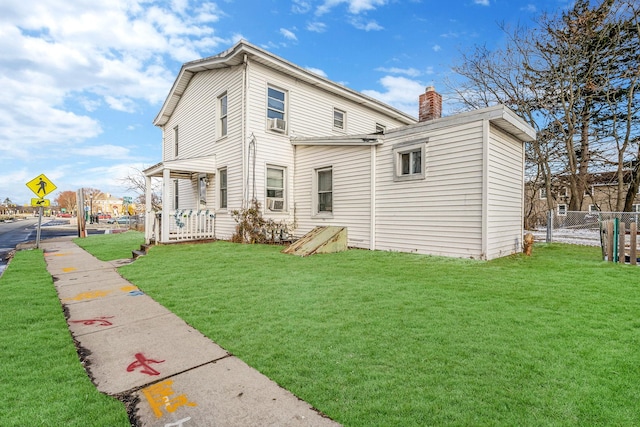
[(14, 233)]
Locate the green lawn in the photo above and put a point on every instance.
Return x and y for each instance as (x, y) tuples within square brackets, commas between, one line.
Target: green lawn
[(369, 338), (380, 338), (42, 382)]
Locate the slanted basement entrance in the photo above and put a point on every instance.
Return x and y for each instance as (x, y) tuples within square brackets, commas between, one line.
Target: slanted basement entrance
[(320, 240)]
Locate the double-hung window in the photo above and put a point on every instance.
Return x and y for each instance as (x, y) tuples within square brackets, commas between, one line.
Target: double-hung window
[(409, 161), (276, 188), (324, 183), (222, 116), (222, 185), (339, 119), (562, 210), (276, 110)]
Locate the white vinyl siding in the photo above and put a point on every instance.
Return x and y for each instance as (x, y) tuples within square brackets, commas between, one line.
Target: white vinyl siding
[(351, 190), (505, 189), (440, 215)]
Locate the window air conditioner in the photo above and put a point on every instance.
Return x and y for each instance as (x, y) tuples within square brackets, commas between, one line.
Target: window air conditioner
[(278, 125), (275, 204)]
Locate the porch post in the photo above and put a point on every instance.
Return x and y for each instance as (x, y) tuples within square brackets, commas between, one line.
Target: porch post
[(166, 202), (148, 211)]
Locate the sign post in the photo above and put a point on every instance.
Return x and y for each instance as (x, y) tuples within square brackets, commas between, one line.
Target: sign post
[(41, 186)]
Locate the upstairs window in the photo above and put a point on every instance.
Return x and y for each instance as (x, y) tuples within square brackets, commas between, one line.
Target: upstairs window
[(324, 178), (562, 210), (409, 161), (543, 193), (276, 110), (339, 117), (222, 120), (380, 128)]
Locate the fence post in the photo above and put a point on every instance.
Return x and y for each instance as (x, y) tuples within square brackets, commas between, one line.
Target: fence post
[(610, 241), (621, 242), (549, 226), (633, 236)]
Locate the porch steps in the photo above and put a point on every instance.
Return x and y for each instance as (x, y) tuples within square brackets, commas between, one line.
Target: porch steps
[(137, 253), (320, 240)]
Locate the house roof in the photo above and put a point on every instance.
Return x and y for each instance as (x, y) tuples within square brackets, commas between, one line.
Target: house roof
[(500, 116), (235, 56)]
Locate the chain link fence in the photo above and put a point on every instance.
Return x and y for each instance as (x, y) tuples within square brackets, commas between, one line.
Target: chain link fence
[(579, 227)]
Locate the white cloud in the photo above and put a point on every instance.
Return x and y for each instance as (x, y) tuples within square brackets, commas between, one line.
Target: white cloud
[(317, 27), (354, 6), (436, 48), (57, 55), (411, 72), (107, 151), (482, 2), (399, 92), (288, 34), (530, 8), (317, 71), (366, 26), (300, 6)]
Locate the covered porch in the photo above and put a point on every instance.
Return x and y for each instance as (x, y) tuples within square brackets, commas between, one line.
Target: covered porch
[(184, 216)]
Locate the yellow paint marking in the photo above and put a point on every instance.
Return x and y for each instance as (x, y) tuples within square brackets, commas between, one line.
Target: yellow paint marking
[(129, 288), (158, 396), (69, 269), (88, 295)]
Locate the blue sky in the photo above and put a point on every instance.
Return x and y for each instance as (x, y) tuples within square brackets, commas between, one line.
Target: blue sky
[(82, 80)]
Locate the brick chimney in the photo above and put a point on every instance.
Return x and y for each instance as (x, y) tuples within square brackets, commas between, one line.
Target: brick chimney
[(429, 105)]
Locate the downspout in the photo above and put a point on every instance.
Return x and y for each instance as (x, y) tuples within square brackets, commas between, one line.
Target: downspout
[(485, 190), (244, 130), (372, 233)]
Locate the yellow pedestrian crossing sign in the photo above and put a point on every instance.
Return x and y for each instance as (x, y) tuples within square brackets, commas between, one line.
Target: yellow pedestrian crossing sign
[(41, 186), (40, 202)]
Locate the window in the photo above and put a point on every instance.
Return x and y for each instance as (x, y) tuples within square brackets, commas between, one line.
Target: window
[(562, 210), (543, 193), (562, 192), (222, 184), (635, 208), (275, 188), (324, 180), (175, 194), (175, 141), (593, 208), (380, 128), (410, 161), (222, 118), (339, 119), (276, 104)]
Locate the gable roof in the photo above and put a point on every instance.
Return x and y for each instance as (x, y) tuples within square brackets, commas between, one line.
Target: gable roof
[(236, 56)]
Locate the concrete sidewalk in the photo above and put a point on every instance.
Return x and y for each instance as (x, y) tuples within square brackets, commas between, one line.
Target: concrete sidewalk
[(166, 372)]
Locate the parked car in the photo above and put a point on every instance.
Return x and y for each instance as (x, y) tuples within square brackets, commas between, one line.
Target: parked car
[(124, 219)]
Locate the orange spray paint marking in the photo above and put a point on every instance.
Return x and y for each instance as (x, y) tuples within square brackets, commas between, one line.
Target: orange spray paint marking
[(99, 321), (88, 295), (161, 395)]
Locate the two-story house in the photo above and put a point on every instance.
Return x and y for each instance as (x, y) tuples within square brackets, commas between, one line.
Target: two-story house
[(247, 125)]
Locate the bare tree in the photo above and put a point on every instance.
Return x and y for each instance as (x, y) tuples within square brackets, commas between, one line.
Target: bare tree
[(66, 200), (136, 182)]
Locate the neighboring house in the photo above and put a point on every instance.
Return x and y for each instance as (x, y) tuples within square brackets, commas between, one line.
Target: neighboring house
[(246, 124), (601, 195)]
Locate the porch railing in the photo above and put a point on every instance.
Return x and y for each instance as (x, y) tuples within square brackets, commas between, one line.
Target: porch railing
[(186, 224)]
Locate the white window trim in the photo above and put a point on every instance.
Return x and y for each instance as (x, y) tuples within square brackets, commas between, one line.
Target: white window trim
[(563, 211), (543, 193), (220, 188), (593, 208), (285, 113), (316, 211), (175, 141), (408, 147), (380, 128), (222, 132), (344, 120), (284, 189)]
